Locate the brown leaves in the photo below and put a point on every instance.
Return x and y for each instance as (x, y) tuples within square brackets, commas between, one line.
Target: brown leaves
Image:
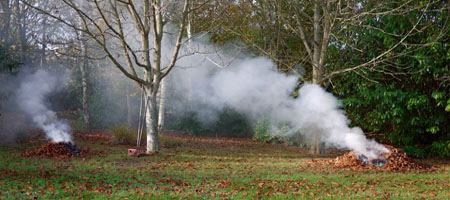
[(210, 140), (57, 151), (223, 183), (93, 135), (50, 150), (396, 160)]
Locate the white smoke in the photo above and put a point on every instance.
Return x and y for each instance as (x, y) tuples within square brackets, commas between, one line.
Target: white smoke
[(254, 87), (319, 113), (31, 97)]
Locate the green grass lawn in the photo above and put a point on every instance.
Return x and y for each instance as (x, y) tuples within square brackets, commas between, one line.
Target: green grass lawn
[(201, 168)]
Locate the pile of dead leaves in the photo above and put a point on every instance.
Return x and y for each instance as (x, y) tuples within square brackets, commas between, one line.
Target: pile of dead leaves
[(58, 151), (396, 160)]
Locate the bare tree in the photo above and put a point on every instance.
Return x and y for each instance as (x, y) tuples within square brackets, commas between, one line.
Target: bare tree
[(136, 28), (84, 66)]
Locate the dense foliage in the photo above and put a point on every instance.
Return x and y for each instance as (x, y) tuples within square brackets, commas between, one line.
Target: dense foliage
[(403, 96), (406, 99)]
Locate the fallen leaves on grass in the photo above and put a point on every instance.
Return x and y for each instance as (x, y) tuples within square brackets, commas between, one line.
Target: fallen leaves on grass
[(101, 136), (215, 141)]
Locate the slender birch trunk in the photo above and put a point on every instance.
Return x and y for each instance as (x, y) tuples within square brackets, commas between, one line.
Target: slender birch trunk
[(128, 99), (22, 30), (162, 104), (84, 85), (44, 42), (84, 80), (151, 122)]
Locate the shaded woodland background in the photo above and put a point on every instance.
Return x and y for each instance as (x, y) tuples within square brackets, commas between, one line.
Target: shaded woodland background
[(402, 98)]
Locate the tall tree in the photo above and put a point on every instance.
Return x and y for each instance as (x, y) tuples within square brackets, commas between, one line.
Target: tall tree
[(84, 66), (107, 23)]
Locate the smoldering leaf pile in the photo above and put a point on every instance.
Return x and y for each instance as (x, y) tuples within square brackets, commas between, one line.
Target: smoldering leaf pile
[(59, 151), (396, 160)]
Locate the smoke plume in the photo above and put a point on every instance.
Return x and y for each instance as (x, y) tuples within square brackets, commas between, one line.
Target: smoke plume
[(254, 87), (31, 98)]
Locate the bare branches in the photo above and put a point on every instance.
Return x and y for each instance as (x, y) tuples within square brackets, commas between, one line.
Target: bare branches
[(178, 43), (106, 24), (379, 58)]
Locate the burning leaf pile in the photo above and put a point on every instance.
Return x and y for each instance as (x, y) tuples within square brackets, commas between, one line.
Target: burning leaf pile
[(396, 160), (59, 151)]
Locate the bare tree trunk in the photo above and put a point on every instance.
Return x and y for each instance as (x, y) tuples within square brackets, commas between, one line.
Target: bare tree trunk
[(44, 42), (84, 85), (189, 78), (189, 26), (317, 69), (151, 121), (129, 119), (162, 104), (22, 30), (83, 67)]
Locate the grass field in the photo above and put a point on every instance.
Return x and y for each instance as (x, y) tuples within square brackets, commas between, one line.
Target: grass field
[(207, 168)]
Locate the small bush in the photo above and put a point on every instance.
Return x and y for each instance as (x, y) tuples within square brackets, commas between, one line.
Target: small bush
[(413, 151), (78, 125), (126, 135), (262, 131), (439, 148)]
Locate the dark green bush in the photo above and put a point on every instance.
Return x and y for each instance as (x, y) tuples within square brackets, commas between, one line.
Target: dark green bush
[(229, 124), (407, 97), (439, 148), (232, 124), (186, 123), (413, 151)]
